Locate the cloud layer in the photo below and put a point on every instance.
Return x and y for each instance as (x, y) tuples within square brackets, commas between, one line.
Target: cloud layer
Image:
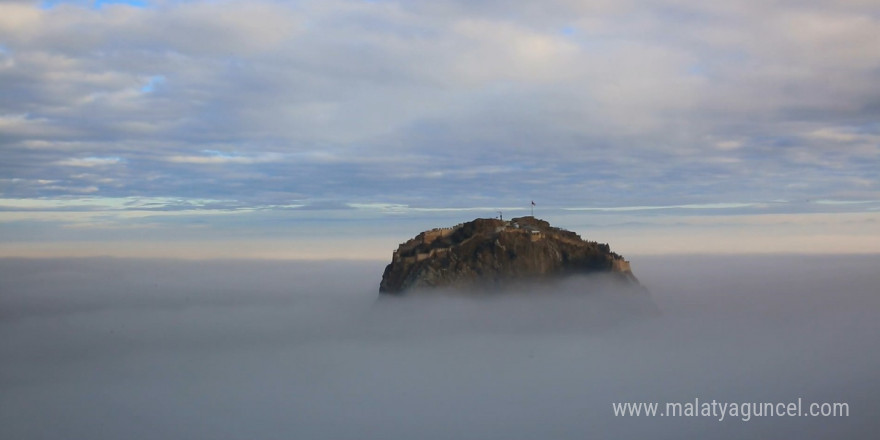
[(104, 348), (608, 103)]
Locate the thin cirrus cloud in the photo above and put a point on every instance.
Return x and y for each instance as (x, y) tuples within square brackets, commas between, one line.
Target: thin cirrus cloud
[(219, 158), (89, 161)]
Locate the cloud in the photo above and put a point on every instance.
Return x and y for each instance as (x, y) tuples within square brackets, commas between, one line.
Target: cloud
[(25, 126), (90, 161), (114, 348), (217, 157), (649, 208), (602, 104)]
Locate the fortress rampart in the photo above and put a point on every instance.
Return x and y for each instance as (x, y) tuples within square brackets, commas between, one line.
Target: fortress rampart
[(620, 265), (405, 252), (410, 252)]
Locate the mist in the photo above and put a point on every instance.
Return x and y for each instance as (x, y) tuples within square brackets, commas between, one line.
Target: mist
[(144, 349)]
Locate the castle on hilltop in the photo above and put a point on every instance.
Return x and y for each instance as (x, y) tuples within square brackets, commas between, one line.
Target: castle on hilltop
[(437, 242)]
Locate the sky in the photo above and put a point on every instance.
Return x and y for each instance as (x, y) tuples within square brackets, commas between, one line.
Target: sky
[(337, 129)]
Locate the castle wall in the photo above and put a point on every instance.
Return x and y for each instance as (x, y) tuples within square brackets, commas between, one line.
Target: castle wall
[(433, 234), (423, 256), (620, 266)]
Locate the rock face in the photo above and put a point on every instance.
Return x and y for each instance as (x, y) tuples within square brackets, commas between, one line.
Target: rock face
[(492, 253)]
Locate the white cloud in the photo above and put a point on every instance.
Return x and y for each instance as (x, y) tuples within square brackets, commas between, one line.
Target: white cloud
[(19, 19), (494, 50), (90, 161), (218, 159), (651, 208), (728, 144)]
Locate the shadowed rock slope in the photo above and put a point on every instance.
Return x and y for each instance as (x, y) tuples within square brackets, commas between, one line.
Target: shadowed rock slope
[(490, 253)]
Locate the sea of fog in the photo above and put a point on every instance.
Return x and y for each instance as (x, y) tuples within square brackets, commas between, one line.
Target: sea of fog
[(154, 349)]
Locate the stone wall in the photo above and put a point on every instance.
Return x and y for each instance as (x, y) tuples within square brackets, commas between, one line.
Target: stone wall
[(433, 234), (620, 265), (425, 255)]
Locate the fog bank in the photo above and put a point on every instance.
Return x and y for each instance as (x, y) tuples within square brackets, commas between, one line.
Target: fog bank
[(107, 349)]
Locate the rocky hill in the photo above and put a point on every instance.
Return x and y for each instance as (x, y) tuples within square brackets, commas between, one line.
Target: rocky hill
[(493, 253)]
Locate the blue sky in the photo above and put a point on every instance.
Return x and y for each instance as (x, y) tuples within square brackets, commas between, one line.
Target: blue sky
[(126, 123)]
